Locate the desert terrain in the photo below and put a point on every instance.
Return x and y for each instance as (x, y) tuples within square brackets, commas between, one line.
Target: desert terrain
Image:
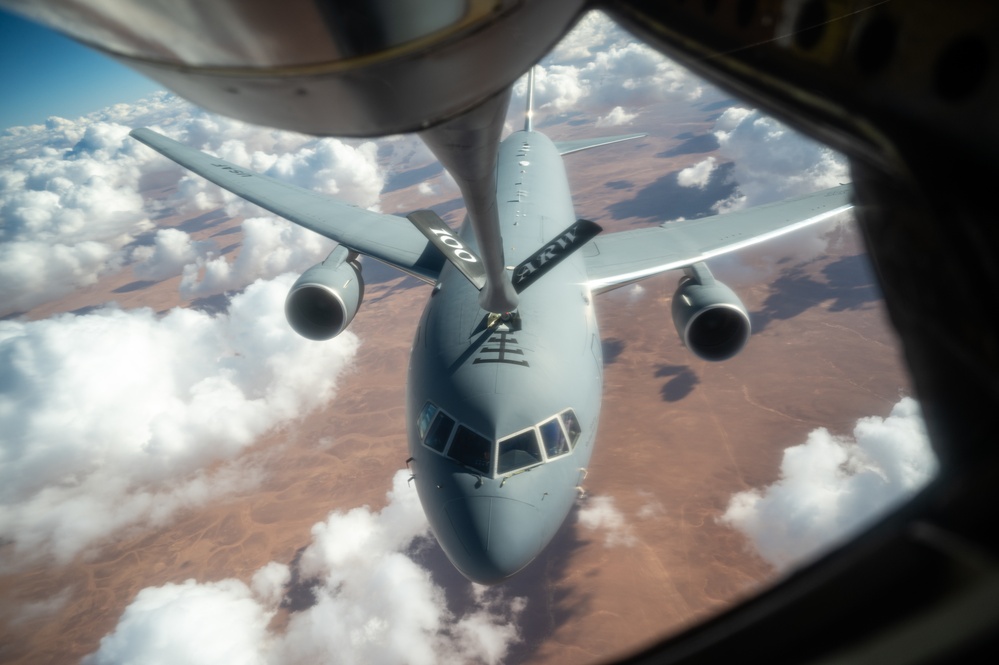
[(678, 436)]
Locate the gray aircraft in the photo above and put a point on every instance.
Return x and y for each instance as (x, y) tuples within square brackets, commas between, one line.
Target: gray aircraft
[(505, 374)]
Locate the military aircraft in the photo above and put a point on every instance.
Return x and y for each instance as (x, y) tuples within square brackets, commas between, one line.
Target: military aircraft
[(920, 585), (503, 401)]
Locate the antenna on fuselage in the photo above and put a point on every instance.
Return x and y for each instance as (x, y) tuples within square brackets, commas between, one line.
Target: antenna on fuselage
[(529, 115)]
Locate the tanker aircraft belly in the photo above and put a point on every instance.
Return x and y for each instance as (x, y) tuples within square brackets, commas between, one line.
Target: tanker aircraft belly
[(502, 406)]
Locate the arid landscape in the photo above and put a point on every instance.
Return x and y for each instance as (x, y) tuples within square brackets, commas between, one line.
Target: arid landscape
[(678, 436)]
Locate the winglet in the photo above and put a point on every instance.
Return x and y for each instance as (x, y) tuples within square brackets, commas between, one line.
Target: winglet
[(529, 115)]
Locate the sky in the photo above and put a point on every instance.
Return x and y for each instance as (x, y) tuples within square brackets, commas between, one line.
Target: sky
[(43, 73), (114, 418)]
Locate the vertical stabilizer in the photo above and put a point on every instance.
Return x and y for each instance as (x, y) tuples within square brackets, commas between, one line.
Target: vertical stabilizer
[(529, 115)]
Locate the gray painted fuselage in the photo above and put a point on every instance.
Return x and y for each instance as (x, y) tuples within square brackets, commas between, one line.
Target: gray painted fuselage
[(501, 380)]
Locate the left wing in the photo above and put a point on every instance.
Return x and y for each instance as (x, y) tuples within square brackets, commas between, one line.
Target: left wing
[(390, 239), (616, 259)]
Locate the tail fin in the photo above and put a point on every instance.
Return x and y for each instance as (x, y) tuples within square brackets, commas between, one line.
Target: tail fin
[(529, 115)]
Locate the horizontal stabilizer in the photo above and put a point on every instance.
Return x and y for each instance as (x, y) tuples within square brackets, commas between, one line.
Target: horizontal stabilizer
[(568, 147), (440, 236), (553, 253)]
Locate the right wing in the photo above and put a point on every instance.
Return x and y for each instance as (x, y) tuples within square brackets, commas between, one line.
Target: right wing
[(569, 147), (390, 239), (616, 259)]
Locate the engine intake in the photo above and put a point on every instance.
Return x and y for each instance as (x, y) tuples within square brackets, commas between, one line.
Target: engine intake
[(324, 300), (710, 319)]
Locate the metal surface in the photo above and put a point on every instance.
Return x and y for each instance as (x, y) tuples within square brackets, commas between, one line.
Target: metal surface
[(331, 68)]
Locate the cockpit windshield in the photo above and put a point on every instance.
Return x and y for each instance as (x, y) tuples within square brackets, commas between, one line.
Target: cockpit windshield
[(556, 443), (549, 440), (471, 449), (440, 432), (518, 451)]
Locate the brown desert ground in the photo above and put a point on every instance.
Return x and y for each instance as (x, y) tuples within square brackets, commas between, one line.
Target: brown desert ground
[(678, 437)]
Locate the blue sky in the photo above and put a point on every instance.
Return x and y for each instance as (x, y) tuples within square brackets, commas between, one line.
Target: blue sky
[(43, 74)]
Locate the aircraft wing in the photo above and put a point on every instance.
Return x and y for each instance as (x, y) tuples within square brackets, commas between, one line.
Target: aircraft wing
[(387, 238), (616, 259), (569, 147)]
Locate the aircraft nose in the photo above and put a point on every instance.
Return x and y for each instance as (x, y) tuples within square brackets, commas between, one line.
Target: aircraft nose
[(499, 536)]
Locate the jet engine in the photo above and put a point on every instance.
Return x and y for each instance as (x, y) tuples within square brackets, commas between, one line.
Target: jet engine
[(710, 319), (324, 300)]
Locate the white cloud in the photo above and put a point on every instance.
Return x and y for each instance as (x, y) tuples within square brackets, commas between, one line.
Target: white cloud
[(216, 622), (373, 604), (270, 247), (604, 67), (70, 204), (698, 175), (831, 486), (110, 418), (617, 116), (773, 162), (600, 513), (66, 214), (171, 250), (652, 508)]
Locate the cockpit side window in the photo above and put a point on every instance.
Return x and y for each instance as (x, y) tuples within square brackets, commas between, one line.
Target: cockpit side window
[(439, 432), (518, 451), (471, 449), (571, 426), (555, 442), (426, 417)]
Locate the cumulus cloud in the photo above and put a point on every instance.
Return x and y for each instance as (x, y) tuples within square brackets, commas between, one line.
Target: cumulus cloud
[(832, 486), (270, 247), (67, 213), (600, 513), (601, 65), (698, 175), (172, 249), (771, 161), (110, 418), (70, 206), (372, 604), (217, 622), (617, 116)]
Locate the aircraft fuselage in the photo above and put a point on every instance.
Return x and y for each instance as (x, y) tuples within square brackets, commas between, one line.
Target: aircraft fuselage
[(498, 454)]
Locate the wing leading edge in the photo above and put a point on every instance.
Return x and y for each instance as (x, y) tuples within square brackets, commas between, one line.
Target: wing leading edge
[(387, 238), (617, 259), (569, 147)]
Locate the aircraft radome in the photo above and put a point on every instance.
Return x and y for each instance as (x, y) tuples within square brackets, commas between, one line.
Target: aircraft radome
[(505, 376)]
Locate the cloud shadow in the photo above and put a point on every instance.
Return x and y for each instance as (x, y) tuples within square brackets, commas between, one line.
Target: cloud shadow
[(205, 221), (214, 304), (412, 177), (682, 382), (137, 285), (849, 285), (298, 593), (612, 348), (667, 199), (691, 146)]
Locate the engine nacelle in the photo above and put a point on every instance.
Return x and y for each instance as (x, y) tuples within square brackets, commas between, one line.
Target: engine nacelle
[(710, 319), (324, 300)]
